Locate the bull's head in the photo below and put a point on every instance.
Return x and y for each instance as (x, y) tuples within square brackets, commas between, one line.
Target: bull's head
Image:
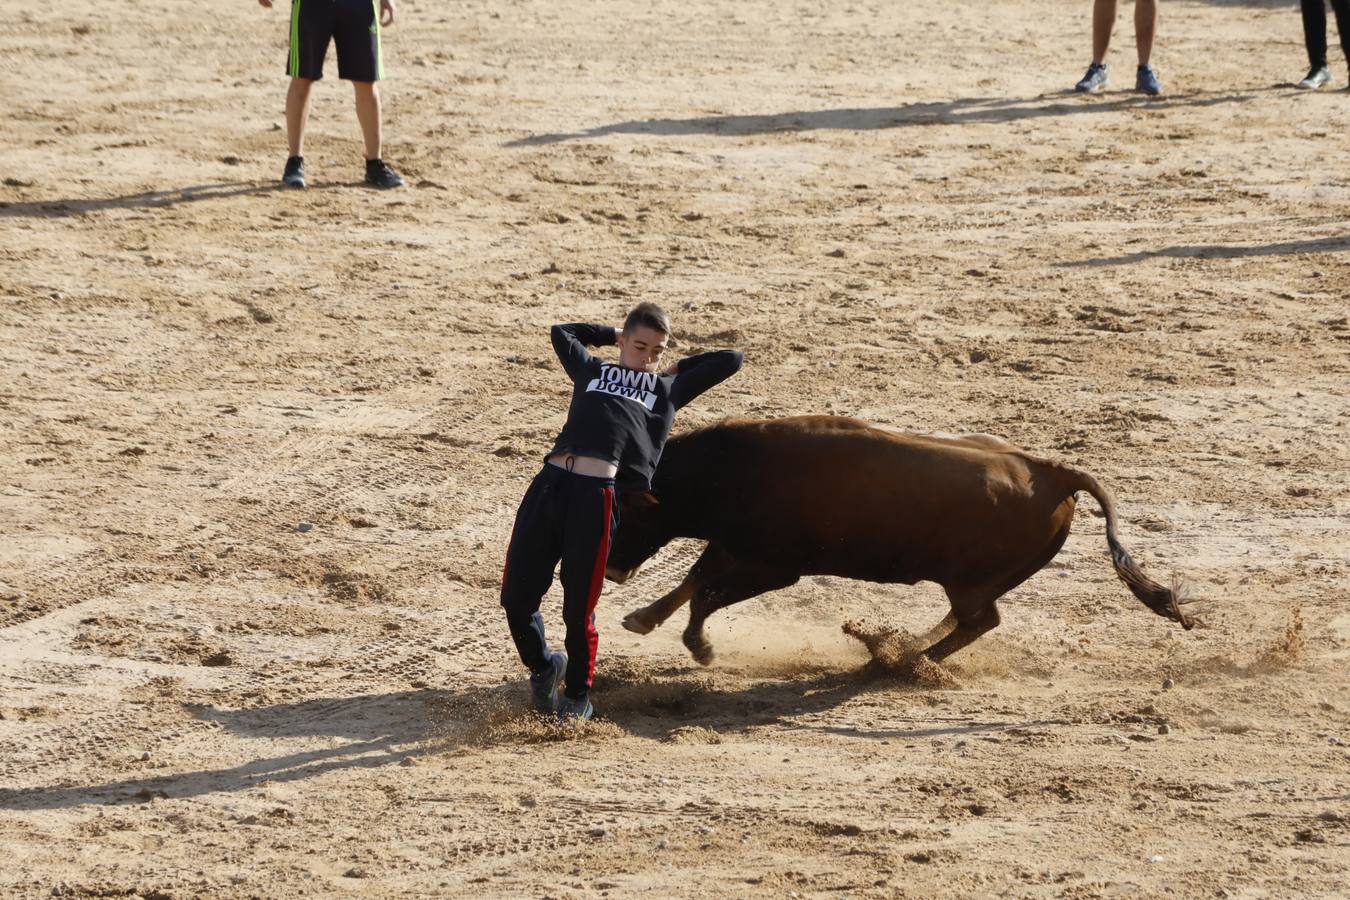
[(642, 531)]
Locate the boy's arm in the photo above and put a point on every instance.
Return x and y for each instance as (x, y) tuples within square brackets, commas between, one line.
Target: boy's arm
[(570, 343), (698, 373)]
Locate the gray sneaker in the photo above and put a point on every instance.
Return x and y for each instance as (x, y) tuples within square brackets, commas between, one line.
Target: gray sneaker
[(1315, 79), (1146, 80), (544, 693), (1093, 81), (572, 711)]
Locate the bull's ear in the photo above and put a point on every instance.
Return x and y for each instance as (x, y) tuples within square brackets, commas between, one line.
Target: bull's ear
[(647, 498)]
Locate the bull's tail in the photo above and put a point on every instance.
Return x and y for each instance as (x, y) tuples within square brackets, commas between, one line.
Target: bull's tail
[(1163, 601)]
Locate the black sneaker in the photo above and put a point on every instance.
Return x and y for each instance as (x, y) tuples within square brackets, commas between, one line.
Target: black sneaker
[(380, 175), (294, 176)]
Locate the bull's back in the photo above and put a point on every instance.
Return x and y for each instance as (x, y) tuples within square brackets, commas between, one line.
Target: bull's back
[(837, 496)]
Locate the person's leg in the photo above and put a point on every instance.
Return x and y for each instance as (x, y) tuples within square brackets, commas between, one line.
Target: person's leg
[(297, 113), (528, 571), (1315, 31), (368, 114), (1103, 21), (358, 55), (361, 61), (590, 520), (1145, 27), (311, 32), (1342, 8)]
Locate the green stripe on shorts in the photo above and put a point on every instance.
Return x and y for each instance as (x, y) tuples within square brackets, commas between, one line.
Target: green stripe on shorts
[(379, 44), (294, 67)]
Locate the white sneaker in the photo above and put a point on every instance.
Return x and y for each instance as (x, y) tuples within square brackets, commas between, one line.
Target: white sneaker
[(1315, 79)]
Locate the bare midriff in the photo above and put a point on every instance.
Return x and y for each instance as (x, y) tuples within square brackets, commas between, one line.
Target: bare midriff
[(584, 465)]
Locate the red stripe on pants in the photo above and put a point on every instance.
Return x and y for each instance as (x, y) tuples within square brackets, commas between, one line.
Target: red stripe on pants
[(597, 583)]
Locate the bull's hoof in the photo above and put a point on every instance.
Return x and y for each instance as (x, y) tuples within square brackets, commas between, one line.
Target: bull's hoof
[(701, 650), (637, 623)]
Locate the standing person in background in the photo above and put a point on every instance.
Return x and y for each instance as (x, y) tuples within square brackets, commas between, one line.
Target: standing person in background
[(355, 27), (617, 424), (1145, 27), (1315, 38)]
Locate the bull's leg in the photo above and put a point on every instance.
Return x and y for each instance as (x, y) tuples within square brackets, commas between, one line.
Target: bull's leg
[(745, 580), (649, 617), (973, 607), (975, 613), (940, 630), (713, 562)]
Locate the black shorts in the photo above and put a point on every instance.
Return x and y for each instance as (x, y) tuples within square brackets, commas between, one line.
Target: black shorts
[(353, 24)]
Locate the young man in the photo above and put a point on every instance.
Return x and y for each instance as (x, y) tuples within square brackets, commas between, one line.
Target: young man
[(1145, 27), (1315, 38), (618, 421), (355, 26)]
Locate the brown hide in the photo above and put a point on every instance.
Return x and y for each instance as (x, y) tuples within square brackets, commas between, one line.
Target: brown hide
[(825, 495)]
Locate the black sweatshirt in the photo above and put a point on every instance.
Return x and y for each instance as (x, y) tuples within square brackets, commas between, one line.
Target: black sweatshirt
[(624, 415)]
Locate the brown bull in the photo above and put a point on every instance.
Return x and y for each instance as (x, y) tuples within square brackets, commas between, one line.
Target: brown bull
[(825, 495)]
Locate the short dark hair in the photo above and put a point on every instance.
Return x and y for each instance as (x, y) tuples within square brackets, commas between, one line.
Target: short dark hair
[(650, 315)]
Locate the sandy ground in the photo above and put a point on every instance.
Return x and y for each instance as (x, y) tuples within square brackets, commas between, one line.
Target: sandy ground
[(899, 213)]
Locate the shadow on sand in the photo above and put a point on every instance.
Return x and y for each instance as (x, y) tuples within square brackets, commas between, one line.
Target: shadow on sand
[(953, 112), (62, 208), (378, 728), (387, 728), (1217, 251)]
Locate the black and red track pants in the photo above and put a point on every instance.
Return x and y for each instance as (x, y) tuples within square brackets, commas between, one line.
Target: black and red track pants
[(571, 518)]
